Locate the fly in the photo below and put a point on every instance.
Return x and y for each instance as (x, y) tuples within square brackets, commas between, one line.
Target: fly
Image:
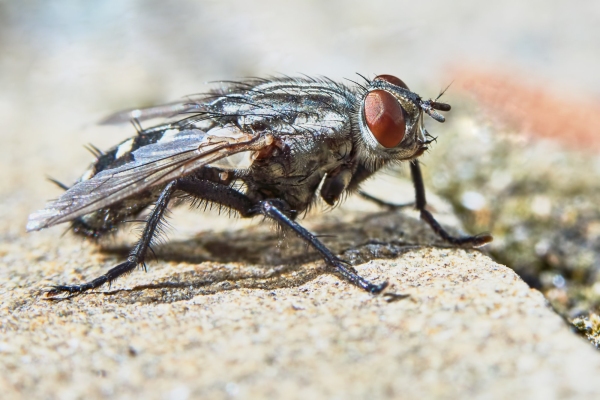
[(258, 147)]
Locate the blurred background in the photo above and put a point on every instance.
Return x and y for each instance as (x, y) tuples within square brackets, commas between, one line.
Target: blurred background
[(517, 157)]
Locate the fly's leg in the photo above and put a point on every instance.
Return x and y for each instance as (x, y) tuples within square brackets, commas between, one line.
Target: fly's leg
[(136, 256), (273, 209), (421, 202), (384, 203), (217, 193), (228, 197)]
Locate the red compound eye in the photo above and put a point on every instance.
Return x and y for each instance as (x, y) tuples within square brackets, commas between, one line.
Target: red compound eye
[(391, 79), (385, 118)]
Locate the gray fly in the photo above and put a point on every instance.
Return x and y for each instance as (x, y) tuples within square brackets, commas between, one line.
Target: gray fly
[(259, 147)]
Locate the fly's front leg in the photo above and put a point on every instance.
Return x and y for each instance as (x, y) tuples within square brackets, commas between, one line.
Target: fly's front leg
[(136, 256), (384, 203), (273, 209), (421, 202)]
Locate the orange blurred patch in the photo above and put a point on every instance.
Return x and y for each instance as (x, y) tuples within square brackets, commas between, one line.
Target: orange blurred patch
[(538, 111)]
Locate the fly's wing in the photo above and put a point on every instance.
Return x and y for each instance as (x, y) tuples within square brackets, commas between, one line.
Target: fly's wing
[(142, 114), (171, 157)]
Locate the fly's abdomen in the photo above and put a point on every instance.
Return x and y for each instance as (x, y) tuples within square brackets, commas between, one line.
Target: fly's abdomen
[(107, 220), (121, 154)]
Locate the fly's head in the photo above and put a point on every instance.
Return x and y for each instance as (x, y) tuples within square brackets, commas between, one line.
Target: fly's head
[(390, 118)]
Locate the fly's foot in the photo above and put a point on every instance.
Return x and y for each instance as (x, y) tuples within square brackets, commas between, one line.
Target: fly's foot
[(466, 241), (68, 290), (111, 275), (74, 290), (473, 241), (350, 273), (376, 289), (481, 239), (392, 297)]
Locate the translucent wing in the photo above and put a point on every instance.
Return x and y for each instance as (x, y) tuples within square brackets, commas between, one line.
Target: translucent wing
[(171, 157), (142, 114)]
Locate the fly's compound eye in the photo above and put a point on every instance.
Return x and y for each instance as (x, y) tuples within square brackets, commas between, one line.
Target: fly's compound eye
[(385, 118), (391, 79)]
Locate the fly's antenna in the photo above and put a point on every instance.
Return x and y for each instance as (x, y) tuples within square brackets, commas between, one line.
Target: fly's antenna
[(443, 91), (430, 106)]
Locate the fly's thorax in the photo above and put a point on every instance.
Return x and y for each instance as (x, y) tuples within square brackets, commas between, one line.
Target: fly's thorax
[(390, 119), (293, 167)]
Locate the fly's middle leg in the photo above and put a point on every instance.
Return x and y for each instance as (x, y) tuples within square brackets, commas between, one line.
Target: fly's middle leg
[(273, 209)]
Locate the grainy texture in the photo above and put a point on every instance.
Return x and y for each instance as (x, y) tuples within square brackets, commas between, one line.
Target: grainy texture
[(539, 197), (223, 315)]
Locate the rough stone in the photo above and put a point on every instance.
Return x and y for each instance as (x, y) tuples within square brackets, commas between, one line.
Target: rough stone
[(225, 314)]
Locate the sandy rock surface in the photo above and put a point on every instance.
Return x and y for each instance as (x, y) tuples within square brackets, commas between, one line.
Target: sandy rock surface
[(245, 313), (230, 309)]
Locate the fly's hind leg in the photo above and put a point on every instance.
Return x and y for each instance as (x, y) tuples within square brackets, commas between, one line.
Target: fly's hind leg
[(421, 202), (136, 257)]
